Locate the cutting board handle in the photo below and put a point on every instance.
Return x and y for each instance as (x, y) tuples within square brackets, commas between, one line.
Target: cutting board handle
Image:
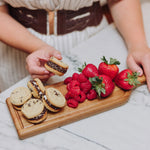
[(142, 79)]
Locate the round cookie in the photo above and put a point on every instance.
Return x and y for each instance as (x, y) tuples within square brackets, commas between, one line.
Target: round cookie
[(37, 88), (19, 96), (34, 111), (54, 100), (56, 66)]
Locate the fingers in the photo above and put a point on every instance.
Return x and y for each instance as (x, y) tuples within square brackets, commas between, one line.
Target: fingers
[(48, 52), (134, 66), (35, 68), (57, 54), (36, 60), (146, 68), (38, 70), (43, 78)]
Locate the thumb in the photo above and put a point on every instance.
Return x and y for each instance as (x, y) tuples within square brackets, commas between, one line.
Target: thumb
[(57, 54), (47, 56), (134, 66)]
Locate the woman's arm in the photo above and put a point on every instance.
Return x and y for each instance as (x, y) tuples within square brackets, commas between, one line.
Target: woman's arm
[(128, 19), (16, 35)]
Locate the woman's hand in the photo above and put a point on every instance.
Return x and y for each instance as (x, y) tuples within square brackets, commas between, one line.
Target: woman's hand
[(139, 61), (36, 60)]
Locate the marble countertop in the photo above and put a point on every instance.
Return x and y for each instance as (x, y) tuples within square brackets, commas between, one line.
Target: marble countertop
[(124, 128)]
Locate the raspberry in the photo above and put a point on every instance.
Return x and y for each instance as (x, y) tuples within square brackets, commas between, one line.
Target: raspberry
[(67, 80), (82, 78), (68, 95), (81, 97), (72, 103), (75, 91), (86, 86), (72, 84), (75, 76), (91, 94)]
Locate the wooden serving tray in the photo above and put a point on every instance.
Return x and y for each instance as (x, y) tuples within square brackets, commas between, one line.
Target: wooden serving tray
[(68, 115)]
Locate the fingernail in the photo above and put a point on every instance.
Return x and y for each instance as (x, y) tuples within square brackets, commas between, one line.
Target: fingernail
[(46, 71), (140, 73), (58, 55)]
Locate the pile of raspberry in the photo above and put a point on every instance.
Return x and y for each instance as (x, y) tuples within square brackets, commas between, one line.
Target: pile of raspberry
[(79, 89)]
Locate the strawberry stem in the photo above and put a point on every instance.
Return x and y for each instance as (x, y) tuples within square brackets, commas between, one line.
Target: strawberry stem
[(111, 62), (104, 60), (132, 78), (98, 85), (83, 66)]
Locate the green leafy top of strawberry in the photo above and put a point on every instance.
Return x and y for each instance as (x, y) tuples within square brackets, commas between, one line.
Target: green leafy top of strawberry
[(132, 78), (98, 85), (83, 66), (111, 62)]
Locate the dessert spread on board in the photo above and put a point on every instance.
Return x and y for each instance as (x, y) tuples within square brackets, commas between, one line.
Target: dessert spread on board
[(36, 103)]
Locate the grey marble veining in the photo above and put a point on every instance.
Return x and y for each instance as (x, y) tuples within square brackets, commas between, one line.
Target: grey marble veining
[(124, 128), (140, 97)]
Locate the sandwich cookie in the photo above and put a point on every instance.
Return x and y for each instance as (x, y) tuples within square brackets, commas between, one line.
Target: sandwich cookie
[(53, 100), (19, 96), (34, 111), (37, 88), (56, 66)]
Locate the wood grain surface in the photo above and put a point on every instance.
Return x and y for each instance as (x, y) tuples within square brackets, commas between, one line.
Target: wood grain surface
[(68, 115)]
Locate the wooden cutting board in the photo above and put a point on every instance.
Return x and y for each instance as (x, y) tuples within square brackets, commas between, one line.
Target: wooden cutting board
[(68, 115)]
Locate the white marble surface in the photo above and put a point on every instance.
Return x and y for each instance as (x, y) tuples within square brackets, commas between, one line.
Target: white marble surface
[(123, 128)]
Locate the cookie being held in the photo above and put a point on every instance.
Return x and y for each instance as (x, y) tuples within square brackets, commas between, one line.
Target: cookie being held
[(56, 66), (19, 96), (37, 88), (34, 111), (53, 100)]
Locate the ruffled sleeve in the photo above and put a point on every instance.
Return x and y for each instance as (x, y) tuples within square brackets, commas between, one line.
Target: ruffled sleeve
[(2, 2)]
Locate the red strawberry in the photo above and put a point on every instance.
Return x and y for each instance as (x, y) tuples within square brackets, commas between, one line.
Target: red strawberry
[(109, 68), (89, 70), (75, 76), (81, 97), (82, 78), (103, 85), (127, 79), (86, 86), (72, 103), (72, 84), (91, 94), (67, 80)]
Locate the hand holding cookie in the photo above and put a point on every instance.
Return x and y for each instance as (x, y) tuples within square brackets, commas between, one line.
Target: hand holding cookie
[(36, 60), (56, 66)]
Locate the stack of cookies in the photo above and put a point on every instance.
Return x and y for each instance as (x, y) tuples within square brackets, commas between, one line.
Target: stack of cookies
[(34, 101)]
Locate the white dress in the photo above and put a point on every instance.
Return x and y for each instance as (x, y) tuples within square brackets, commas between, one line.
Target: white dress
[(12, 61)]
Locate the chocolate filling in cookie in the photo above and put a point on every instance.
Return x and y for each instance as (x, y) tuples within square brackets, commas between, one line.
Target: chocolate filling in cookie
[(40, 93), (56, 67), (40, 115), (49, 104), (18, 106)]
